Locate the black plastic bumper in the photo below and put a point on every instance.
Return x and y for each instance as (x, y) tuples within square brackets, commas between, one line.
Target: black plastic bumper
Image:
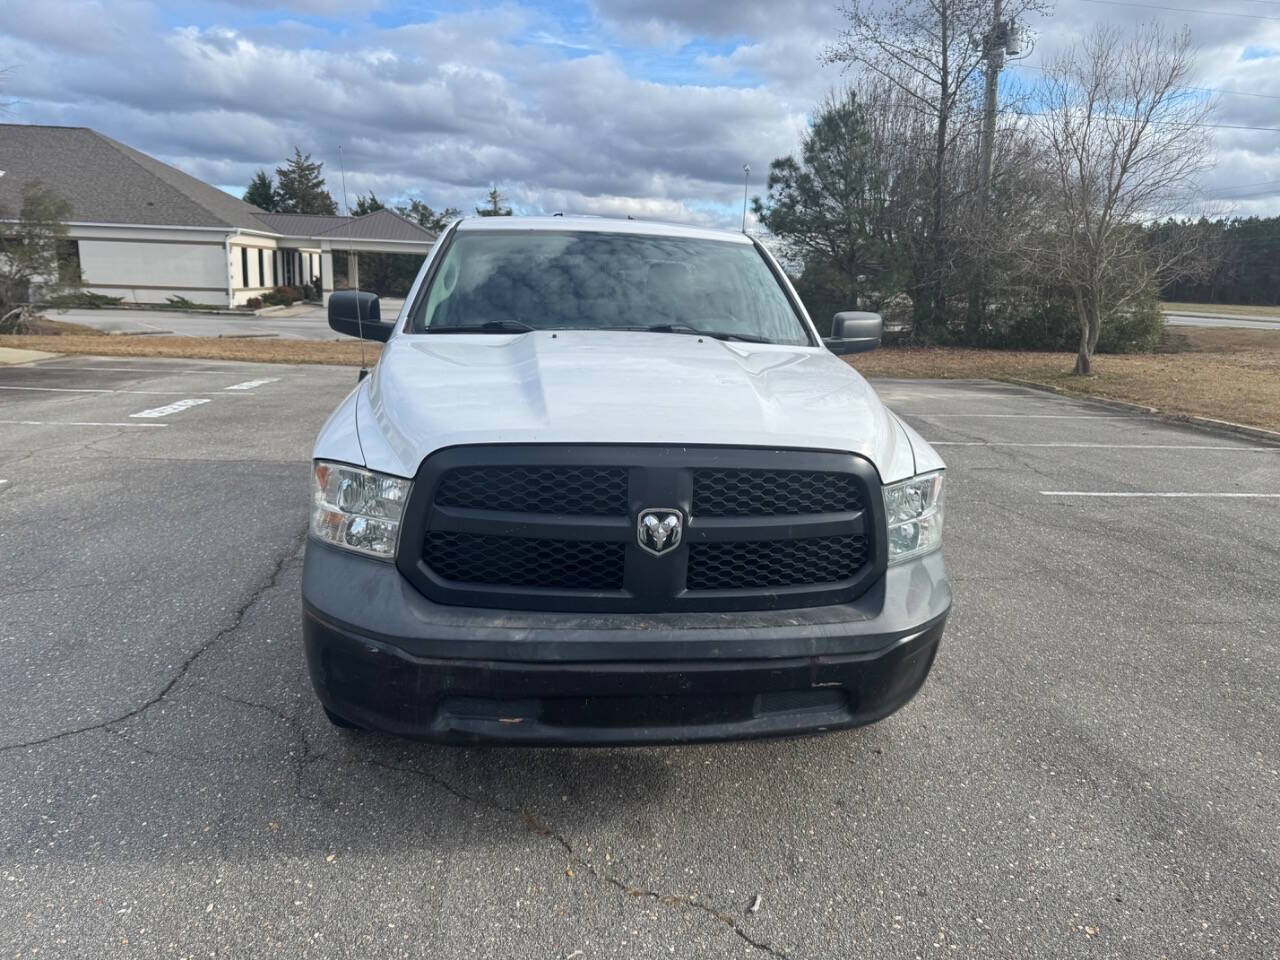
[(420, 670)]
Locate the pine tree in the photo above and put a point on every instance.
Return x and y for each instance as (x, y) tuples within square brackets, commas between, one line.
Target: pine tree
[(368, 204), (495, 207), (262, 192), (427, 218), (302, 188)]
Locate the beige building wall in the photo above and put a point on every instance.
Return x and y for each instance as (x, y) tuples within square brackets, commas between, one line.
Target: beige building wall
[(149, 266)]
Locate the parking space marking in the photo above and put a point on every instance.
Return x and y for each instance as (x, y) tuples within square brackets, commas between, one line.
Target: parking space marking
[(175, 407), (1104, 493), (142, 393), (1105, 446), (1022, 416), (250, 384), (45, 365), (78, 423)]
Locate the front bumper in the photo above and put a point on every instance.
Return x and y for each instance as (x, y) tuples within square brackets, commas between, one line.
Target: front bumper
[(383, 656)]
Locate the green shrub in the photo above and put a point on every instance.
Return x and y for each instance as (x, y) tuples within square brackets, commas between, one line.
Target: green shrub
[(253, 303), (282, 296), (83, 298), (1135, 330)]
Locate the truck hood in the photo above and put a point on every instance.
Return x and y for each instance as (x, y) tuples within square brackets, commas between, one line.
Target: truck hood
[(435, 391)]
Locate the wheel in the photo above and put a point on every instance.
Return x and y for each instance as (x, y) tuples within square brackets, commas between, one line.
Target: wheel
[(340, 722)]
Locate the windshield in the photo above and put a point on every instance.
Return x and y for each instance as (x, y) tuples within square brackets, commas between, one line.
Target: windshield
[(501, 281)]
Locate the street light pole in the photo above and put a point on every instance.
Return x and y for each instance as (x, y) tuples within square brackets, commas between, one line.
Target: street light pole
[(746, 172)]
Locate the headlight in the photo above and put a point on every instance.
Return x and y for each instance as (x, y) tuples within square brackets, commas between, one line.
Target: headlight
[(913, 509), (357, 509)]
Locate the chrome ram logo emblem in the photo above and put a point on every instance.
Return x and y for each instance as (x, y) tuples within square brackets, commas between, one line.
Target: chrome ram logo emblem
[(658, 530)]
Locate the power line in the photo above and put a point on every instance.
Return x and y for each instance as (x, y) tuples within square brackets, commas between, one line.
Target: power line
[(1233, 93), (1163, 123), (1157, 6)]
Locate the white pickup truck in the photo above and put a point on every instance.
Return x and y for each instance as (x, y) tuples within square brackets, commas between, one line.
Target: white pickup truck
[(608, 484)]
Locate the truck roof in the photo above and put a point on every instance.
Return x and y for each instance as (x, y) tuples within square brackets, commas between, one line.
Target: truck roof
[(651, 228)]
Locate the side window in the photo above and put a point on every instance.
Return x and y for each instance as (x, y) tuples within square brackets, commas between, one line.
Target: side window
[(244, 266), (262, 277)]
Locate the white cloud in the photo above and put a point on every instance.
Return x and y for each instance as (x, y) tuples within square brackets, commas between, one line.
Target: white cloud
[(647, 107)]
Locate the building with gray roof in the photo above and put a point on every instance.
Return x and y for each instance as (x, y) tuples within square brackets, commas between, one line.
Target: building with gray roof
[(145, 231)]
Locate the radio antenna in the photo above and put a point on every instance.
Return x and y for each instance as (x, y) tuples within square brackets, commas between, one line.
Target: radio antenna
[(343, 170), (364, 367)]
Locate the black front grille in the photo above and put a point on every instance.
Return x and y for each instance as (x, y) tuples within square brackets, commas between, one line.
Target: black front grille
[(765, 493), (774, 563), (547, 527), (524, 562), (590, 491)]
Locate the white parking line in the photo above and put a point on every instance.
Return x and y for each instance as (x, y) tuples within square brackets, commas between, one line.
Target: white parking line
[(250, 384), (142, 393), (1100, 493), (175, 407), (1027, 416), (164, 371), (1105, 446), (78, 423)]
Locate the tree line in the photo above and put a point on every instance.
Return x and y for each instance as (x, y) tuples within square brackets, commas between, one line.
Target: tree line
[(1241, 260), (298, 186), (889, 203)]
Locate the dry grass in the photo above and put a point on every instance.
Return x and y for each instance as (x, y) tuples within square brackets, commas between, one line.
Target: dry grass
[(1221, 373), (1225, 309), (1226, 374), (252, 349)]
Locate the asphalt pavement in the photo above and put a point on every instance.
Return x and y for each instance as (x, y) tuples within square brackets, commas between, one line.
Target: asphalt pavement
[(301, 321), (1092, 770), (1220, 320)]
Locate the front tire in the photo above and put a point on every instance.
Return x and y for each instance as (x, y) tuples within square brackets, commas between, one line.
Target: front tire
[(342, 723)]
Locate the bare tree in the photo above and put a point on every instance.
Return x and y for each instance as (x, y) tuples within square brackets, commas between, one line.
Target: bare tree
[(929, 50), (1126, 144)]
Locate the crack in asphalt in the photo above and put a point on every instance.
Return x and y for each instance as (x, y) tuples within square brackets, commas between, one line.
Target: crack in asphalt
[(237, 620), (536, 826), (306, 756)]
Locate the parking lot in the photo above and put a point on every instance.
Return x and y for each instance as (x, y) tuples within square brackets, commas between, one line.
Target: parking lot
[(1093, 769)]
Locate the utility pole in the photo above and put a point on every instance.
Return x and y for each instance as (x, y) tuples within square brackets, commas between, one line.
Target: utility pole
[(746, 174), (993, 52), (1002, 37)]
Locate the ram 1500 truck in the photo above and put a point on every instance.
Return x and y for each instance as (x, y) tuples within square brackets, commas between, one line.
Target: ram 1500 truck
[(608, 484)]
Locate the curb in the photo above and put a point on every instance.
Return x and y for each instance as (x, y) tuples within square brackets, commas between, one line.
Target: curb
[(1207, 424)]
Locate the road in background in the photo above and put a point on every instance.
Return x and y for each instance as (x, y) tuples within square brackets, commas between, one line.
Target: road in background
[(1219, 320), (1092, 769)]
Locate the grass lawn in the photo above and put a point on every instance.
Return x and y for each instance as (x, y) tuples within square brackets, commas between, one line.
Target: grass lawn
[(1222, 373), (1226, 310)]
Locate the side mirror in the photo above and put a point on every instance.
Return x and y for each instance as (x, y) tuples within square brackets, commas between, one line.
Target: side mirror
[(854, 332), (343, 316)]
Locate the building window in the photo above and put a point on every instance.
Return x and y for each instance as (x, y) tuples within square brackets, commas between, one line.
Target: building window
[(244, 266), (262, 277)]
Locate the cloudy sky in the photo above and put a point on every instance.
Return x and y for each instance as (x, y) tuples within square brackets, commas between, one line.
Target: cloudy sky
[(606, 106)]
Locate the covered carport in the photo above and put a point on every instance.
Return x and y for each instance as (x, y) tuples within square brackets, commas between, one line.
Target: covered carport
[(380, 232)]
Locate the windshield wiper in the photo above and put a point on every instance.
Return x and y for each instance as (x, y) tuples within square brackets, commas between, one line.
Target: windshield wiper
[(489, 326), (713, 334)]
